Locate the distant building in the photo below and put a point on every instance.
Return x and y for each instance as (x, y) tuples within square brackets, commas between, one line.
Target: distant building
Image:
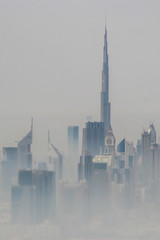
[(100, 187), (73, 154), (37, 191), (124, 175), (9, 167), (105, 104), (154, 173), (23, 203), (93, 138), (85, 167), (42, 166), (110, 143), (138, 148), (45, 184), (148, 137), (24, 152), (126, 154), (73, 141)]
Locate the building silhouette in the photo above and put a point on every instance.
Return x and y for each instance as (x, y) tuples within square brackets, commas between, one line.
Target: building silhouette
[(9, 166), (148, 137), (110, 143), (34, 198), (93, 138), (105, 104), (73, 140), (24, 151), (85, 167), (124, 175), (73, 153), (154, 173)]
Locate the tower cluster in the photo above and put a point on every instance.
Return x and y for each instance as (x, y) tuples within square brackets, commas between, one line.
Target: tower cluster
[(103, 179)]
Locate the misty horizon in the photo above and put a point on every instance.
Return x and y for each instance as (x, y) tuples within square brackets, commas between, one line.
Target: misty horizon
[(79, 87), (40, 48)]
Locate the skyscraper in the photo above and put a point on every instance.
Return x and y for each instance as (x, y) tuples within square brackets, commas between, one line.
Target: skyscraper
[(9, 166), (34, 198), (147, 138), (73, 140), (73, 154), (105, 104), (24, 151), (93, 138)]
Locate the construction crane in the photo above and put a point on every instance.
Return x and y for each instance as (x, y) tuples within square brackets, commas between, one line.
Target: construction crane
[(60, 158)]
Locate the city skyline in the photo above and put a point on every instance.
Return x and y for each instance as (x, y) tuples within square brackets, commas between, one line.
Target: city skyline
[(133, 57), (88, 165)]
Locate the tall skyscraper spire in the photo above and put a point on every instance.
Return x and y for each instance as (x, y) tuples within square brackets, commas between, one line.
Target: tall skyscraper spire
[(105, 104)]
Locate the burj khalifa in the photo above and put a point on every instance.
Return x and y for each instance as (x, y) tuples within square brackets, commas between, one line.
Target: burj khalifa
[(105, 104)]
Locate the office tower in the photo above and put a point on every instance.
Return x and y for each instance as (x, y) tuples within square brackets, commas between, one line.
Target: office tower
[(154, 173), (138, 149), (10, 154), (100, 187), (45, 184), (24, 152), (9, 166), (85, 167), (105, 104), (33, 199), (73, 140), (73, 153), (57, 163), (154, 161), (25, 177), (147, 138), (110, 142), (23, 202), (93, 138), (125, 174), (126, 154)]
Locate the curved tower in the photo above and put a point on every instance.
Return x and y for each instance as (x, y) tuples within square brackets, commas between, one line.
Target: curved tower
[(105, 104)]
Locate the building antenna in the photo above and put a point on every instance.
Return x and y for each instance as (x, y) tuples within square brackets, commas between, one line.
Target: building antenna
[(105, 21), (48, 139), (31, 124)]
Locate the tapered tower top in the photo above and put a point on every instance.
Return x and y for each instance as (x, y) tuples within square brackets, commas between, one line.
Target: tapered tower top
[(105, 105)]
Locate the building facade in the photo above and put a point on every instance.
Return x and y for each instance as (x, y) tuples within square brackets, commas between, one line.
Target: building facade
[(105, 104), (93, 138)]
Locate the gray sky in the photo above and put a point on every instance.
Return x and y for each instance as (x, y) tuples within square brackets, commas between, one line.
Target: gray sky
[(51, 63)]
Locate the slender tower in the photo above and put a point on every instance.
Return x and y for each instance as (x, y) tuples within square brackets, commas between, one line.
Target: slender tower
[(105, 104)]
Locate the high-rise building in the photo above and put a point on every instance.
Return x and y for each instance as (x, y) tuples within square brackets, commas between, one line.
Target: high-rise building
[(24, 151), (105, 104), (73, 153), (148, 137), (34, 198), (93, 138), (85, 167), (138, 148), (154, 173), (9, 166), (110, 143), (73, 140), (57, 163), (124, 175), (23, 202), (100, 186), (45, 184)]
